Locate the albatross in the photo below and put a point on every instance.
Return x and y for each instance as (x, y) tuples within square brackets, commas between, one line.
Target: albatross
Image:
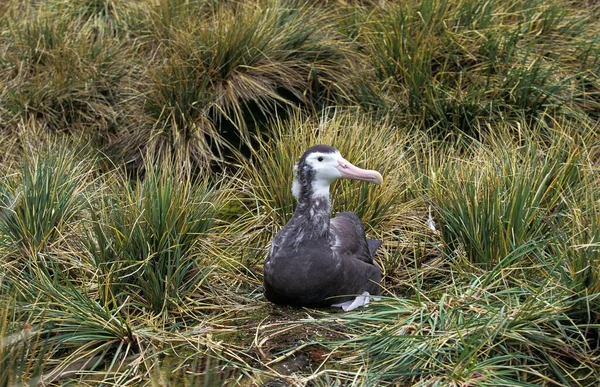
[(316, 261)]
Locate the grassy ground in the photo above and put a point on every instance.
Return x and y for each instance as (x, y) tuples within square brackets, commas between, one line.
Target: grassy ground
[(147, 151)]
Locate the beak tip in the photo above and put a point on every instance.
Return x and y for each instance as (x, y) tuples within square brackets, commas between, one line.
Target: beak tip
[(378, 179)]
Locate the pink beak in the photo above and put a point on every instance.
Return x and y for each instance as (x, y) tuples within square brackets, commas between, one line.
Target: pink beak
[(350, 171)]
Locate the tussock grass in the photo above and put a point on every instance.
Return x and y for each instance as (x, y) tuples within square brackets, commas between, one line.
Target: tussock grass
[(453, 65), (151, 236), (60, 69), (143, 252), (43, 200), (126, 259), (507, 196), (480, 332), (22, 353), (235, 67)]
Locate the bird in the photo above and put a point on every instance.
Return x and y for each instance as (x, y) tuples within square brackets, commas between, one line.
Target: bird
[(315, 260)]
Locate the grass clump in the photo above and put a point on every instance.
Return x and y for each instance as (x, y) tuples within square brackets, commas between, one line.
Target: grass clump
[(453, 65), (22, 355), (83, 333), (239, 65), (43, 201), (152, 236), (479, 332), (513, 200), (61, 70)]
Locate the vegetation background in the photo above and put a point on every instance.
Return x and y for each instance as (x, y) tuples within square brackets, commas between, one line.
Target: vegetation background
[(147, 150)]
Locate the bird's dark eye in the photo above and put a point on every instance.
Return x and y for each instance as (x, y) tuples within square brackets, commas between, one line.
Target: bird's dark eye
[(320, 159)]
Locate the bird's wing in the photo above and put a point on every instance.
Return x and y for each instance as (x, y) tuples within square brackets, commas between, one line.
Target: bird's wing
[(347, 238)]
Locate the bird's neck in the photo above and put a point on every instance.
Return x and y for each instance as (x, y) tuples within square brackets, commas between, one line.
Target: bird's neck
[(313, 209)]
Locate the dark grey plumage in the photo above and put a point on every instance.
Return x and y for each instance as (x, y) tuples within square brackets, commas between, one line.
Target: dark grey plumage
[(314, 260)]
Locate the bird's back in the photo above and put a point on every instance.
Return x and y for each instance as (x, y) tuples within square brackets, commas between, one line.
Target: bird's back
[(322, 271)]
